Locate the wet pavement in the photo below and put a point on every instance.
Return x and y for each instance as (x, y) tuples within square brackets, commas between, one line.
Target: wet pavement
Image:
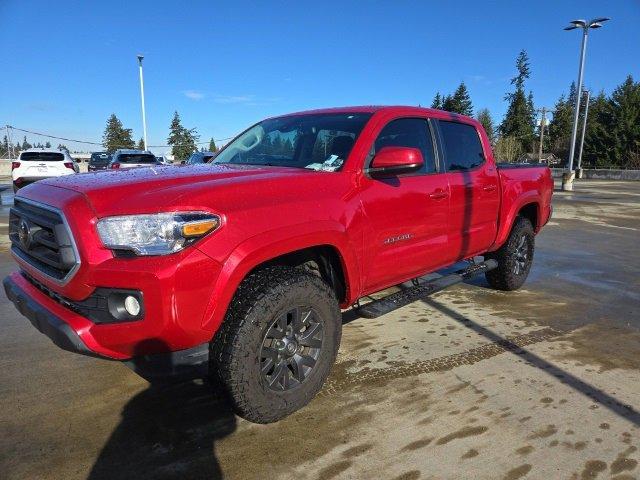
[(541, 383)]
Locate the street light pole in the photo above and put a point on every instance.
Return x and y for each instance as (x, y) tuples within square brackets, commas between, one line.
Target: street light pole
[(584, 128), (567, 178), (576, 108), (144, 119)]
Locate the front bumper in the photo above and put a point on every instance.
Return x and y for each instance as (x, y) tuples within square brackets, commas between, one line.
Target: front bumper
[(47, 322), (49, 317)]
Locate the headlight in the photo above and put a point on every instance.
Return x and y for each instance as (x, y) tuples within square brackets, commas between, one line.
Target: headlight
[(156, 234)]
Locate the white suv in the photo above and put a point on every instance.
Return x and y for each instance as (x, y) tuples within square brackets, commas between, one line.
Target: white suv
[(38, 163)]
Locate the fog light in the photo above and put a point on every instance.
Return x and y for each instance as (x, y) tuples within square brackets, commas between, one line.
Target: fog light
[(131, 305)]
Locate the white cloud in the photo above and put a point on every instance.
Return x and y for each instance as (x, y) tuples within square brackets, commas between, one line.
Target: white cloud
[(193, 94), (249, 100), (226, 99)]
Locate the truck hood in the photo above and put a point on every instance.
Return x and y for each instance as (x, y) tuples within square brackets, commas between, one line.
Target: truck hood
[(150, 190)]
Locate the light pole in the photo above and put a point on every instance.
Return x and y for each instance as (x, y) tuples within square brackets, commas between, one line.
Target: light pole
[(567, 178), (144, 119), (584, 128)]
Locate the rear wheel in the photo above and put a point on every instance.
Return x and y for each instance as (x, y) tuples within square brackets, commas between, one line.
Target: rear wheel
[(277, 343), (514, 257)]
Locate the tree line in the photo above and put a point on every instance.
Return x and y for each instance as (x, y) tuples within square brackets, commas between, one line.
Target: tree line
[(612, 136), (183, 141)]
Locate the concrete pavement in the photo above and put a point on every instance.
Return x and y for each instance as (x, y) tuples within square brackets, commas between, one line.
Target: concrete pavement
[(471, 383)]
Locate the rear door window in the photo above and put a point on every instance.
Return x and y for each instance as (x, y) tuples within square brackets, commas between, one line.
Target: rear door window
[(42, 156), (409, 132), (462, 147)]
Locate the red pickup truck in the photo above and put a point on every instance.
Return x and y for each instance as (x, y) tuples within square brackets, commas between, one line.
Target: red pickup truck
[(238, 269)]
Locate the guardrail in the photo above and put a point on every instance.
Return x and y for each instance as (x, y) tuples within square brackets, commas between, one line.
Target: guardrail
[(602, 174)]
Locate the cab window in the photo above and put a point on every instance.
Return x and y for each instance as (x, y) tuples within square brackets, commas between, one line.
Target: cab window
[(409, 132), (462, 147)]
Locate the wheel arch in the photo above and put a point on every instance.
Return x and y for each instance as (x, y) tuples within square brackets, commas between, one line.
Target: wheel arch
[(325, 253), (528, 207)]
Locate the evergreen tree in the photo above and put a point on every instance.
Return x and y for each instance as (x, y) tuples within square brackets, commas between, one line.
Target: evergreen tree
[(182, 140), (484, 117), (561, 124), (25, 145), (212, 145), (47, 145), (597, 141), (447, 103), (519, 121), (624, 124), (437, 101), (63, 147), (116, 136), (140, 145), (461, 101)]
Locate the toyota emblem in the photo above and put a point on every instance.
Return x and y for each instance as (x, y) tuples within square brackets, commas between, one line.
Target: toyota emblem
[(24, 234)]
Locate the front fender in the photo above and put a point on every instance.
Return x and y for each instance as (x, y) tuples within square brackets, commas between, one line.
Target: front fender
[(269, 245)]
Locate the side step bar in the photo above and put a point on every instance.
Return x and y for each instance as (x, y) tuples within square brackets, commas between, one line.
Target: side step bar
[(402, 298)]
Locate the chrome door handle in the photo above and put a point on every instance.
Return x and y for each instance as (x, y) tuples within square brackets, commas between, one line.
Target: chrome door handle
[(438, 195)]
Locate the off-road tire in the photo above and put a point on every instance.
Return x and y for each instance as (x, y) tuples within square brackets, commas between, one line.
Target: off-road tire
[(506, 276), (235, 349)]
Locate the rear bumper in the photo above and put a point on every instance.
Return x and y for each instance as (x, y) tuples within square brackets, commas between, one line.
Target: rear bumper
[(49, 318)]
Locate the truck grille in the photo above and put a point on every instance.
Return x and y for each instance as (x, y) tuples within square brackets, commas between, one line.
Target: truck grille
[(40, 236)]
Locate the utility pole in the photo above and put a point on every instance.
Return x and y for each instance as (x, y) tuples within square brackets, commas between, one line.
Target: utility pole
[(144, 120), (584, 128), (542, 122), (9, 143)]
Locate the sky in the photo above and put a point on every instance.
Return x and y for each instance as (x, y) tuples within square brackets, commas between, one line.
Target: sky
[(67, 65)]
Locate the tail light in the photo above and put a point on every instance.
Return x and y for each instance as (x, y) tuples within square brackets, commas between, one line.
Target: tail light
[(115, 165), (69, 165), (14, 165)]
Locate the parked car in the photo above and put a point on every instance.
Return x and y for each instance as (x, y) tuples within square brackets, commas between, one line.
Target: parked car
[(240, 269), (164, 160), (199, 157), (38, 163), (125, 158), (99, 161)]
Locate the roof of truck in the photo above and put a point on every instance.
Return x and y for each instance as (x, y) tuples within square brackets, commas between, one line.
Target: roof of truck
[(373, 109)]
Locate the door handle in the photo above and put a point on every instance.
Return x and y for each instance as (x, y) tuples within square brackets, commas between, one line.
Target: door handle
[(438, 195), (489, 188)]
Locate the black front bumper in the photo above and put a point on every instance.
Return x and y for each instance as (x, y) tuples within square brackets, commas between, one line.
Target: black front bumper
[(46, 322), (179, 365)]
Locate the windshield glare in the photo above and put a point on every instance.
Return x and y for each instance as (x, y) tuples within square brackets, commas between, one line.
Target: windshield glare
[(317, 142)]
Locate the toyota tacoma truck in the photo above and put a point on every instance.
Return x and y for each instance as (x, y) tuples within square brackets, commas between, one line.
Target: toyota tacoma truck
[(237, 270)]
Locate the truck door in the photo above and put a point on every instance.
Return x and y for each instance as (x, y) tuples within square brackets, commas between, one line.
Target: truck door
[(474, 187), (406, 233)]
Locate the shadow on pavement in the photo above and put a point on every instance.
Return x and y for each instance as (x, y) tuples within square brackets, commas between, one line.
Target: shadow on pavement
[(168, 431), (609, 402)]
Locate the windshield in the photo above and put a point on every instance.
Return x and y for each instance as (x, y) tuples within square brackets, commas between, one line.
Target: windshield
[(42, 156), (315, 141), (136, 158)]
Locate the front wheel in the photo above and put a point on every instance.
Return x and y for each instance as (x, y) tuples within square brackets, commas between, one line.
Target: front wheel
[(514, 257), (278, 342)]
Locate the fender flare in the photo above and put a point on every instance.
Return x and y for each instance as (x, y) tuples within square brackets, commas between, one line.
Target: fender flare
[(505, 224), (269, 245)]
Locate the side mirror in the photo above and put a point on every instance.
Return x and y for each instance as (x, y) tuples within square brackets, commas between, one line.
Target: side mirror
[(183, 162), (395, 160)]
